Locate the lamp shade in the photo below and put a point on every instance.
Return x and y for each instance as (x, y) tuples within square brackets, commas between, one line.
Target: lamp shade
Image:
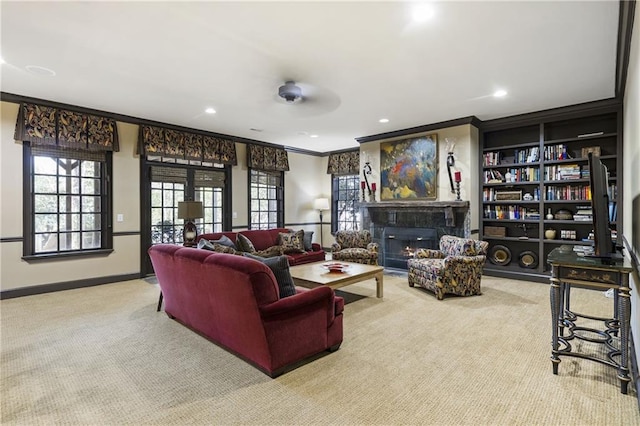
[(190, 210), (321, 204)]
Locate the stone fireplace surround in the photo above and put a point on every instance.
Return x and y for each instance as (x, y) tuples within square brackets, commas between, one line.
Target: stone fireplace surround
[(445, 217)]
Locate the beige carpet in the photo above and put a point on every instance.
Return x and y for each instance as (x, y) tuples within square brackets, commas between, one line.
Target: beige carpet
[(102, 355)]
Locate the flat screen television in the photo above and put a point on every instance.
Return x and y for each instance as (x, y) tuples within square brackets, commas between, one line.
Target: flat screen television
[(604, 246)]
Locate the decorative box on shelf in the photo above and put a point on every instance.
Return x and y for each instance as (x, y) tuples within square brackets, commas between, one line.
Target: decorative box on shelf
[(495, 231)]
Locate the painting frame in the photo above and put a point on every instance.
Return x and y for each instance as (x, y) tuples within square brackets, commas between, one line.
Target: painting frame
[(409, 168)]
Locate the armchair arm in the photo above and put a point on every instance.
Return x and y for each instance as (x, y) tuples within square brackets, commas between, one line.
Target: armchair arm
[(372, 247), (303, 304), (428, 254), (469, 263), (336, 247)]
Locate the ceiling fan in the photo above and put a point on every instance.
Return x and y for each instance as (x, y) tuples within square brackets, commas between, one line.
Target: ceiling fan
[(290, 92)]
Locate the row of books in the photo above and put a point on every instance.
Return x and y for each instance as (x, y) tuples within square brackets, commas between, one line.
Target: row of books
[(520, 156), (489, 194), (521, 174), (563, 172), (568, 192), (506, 212), (556, 152)]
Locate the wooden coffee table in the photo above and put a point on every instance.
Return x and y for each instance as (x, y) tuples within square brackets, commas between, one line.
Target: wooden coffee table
[(314, 275)]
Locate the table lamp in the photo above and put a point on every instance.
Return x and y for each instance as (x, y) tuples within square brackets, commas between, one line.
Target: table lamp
[(321, 204), (189, 211)]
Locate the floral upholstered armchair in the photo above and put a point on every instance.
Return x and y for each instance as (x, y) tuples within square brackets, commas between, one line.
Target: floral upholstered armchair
[(355, 246), (454, 269)]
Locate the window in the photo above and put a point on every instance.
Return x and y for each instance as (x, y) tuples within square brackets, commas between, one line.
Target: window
[(68, 201), (344, 214), (266, 200)]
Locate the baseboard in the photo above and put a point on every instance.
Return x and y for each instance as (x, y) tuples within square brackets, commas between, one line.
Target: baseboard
[(67, 285)]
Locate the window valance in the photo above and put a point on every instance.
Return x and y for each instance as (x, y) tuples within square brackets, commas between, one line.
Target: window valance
[(189, 146), (55, 127), (267, 158), (344, 163)]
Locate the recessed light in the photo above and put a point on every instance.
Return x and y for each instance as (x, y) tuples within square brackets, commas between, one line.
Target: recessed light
[(422, 12), (210, 111), (42, 71), (499, 93), (383, 120), (313, 136)]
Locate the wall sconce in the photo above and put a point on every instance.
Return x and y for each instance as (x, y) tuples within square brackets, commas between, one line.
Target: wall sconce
[(321, 204), (190, 211)]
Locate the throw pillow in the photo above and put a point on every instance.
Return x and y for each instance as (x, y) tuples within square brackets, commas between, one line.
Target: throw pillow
[(280, 267), (244, 244), (213, 246), (225, 241), (308, 238), (292, 242), (270, 252)]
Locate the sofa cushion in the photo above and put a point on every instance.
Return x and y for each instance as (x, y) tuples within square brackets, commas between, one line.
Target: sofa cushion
[(307, 240), (244, 244), (292, 242), (280, 267), (214, 246)]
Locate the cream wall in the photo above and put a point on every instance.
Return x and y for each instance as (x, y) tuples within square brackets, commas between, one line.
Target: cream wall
[(306, 180), (466, 157), (631, 159)]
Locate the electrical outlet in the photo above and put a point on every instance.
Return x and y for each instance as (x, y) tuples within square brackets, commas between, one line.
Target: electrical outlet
[(235, 215), (120, 217)]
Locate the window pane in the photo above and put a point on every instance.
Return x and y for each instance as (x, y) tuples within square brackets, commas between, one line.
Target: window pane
[(90, 169), (156, 198), (44, 184), (69, 222), (69, 203), (90, 186), (44, 165), (46, 222), (45, 203), (91, 204), (46, 243), (69, 185), (90, 222), (70, 241), (91, 240)]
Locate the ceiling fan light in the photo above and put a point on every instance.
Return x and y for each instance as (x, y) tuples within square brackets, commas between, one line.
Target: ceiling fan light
[(290, 92)]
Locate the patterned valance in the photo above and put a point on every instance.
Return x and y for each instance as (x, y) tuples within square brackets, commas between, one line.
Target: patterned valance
[(267, 158), (189, 146), (344, 163), (55, 127)]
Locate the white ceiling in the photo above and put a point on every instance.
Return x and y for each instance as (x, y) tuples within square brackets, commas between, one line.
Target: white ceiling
[(356, 62)]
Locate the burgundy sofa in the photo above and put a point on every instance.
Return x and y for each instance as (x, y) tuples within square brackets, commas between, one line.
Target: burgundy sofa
[(262, 239), (234, 302)]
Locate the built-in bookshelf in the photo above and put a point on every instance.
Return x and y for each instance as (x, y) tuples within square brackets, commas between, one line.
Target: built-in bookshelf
[(535, 193)]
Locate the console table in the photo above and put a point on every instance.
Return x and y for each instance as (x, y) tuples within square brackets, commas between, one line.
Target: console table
[(569, 269)]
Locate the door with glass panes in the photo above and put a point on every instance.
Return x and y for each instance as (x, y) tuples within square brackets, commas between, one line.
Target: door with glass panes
[(169, 185)]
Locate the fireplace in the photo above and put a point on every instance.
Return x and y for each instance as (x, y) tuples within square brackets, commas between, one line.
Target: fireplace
[(401, 243), (386, 218)]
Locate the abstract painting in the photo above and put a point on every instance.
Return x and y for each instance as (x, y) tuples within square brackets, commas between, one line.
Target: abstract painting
[(409, 168)]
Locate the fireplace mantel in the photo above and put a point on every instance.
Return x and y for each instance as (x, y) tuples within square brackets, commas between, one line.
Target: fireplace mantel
[(417, 204), (391, 208)]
